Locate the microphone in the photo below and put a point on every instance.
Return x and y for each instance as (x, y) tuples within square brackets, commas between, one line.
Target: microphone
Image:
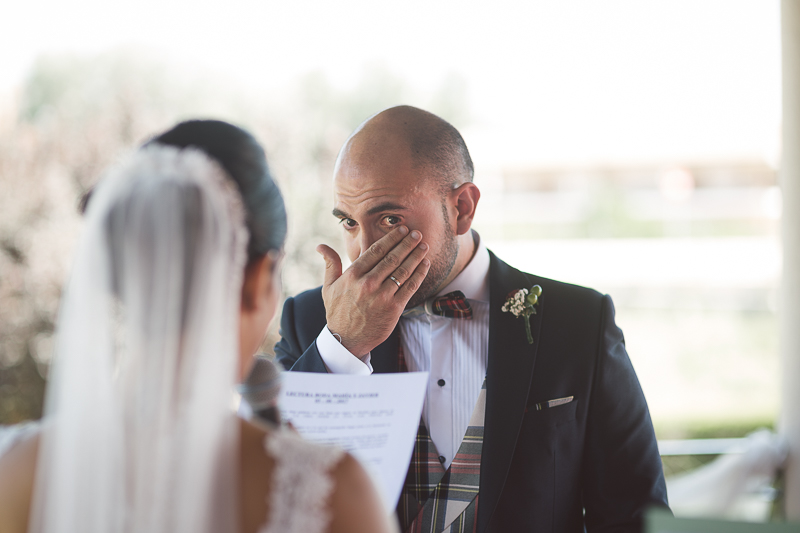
[(261, 387)]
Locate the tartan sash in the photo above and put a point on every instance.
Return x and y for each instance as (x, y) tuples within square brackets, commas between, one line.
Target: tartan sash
[(434, 500)]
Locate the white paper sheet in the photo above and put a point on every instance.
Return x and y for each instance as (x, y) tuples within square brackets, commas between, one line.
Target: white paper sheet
[(375, 418)]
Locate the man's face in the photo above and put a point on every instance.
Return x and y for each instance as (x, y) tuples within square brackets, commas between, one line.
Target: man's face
[(378, 190)]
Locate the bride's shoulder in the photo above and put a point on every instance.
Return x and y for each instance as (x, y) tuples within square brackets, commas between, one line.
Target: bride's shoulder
[(20, 448), (329, 484), (355, 504)]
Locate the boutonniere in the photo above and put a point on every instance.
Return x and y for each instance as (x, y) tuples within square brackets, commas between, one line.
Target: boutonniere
[(521, 304)]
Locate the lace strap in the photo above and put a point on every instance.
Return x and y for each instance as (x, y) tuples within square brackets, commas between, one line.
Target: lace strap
[(302, 483)]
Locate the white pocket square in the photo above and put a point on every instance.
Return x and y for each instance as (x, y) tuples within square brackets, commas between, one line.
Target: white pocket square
[(553, 403)]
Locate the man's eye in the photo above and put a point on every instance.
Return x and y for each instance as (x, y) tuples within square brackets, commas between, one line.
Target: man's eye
[(348, 223), (391, 220)]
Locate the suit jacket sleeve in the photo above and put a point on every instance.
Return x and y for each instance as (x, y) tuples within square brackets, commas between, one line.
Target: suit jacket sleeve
[(622, 469), (302, 320)]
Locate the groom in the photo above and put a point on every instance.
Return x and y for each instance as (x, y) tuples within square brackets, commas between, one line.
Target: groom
[(547, 432)]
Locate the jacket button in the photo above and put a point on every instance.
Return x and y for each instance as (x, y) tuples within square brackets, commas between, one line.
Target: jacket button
[(441, 382), (441, 459)]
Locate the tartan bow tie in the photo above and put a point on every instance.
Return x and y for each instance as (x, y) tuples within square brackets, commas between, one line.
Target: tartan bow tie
[(452, 305)]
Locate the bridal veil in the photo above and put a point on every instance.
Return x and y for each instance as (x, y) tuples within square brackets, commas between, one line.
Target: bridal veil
[(138, 432)]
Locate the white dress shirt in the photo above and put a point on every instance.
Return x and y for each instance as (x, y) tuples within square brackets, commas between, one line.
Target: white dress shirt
[(454, 351)]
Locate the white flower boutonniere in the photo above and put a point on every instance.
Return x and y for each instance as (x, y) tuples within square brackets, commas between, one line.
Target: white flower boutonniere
[(521, 304)]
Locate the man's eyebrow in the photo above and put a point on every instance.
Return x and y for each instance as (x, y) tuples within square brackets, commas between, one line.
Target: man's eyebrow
[(386, 206)]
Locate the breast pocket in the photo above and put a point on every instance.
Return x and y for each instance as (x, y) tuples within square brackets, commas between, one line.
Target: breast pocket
[(544, 456), (542, 414)]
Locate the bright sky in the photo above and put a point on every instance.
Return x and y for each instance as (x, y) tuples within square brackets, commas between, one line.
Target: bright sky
[(548, 81)]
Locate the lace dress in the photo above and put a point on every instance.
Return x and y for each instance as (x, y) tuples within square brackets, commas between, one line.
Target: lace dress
[(302, 484)]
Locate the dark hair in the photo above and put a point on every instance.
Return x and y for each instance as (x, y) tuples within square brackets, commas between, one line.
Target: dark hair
[(438, 146), (243, 158)]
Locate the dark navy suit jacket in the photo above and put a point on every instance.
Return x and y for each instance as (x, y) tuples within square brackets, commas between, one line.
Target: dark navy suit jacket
[(592, 463)]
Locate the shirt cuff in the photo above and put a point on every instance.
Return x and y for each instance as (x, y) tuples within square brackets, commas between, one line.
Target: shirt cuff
[(338, 359)]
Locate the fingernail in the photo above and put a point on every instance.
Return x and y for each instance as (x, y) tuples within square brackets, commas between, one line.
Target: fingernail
[(403, 230), (415, 234), (426, 262), (423, 246)]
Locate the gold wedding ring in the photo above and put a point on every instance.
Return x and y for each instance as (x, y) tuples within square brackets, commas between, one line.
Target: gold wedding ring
[(395, 280)]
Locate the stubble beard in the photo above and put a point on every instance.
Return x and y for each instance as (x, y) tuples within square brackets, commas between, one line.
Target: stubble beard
[(441, 266)]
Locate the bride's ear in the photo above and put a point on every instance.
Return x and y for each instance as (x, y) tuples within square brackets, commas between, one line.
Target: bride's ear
[(260, 276), (257, 278)]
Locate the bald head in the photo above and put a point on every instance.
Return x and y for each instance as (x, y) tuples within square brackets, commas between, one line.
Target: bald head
[(405, 167), (434, 147)]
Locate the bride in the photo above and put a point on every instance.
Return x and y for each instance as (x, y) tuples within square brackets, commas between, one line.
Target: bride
[(175, 281)]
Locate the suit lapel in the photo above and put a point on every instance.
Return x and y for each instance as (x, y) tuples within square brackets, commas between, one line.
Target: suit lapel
[(508, 378)]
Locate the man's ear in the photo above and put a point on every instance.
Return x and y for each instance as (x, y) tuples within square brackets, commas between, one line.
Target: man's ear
[(466, 198)]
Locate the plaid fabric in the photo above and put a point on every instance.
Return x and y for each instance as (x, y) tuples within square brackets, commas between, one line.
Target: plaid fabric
[(424, 474), (433, 500), (452, 305)]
